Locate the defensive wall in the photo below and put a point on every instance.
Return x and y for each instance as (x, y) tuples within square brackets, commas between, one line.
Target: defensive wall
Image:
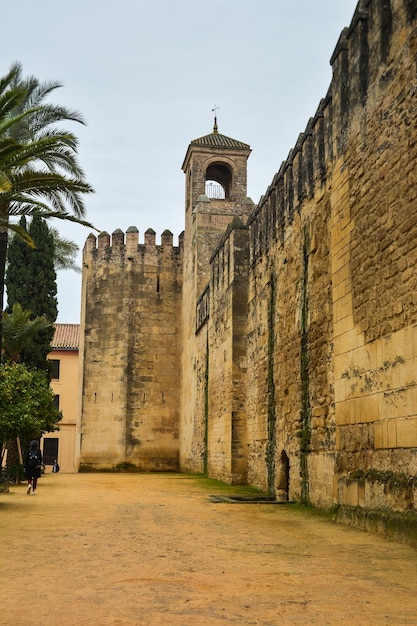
[(295, 321), (328, 347), (335, 237)]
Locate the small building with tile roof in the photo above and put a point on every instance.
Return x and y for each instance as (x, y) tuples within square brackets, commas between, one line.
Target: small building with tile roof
[(66, 337), (61, 444)]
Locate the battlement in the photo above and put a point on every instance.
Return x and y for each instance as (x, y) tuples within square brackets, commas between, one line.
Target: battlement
[(363, 65), (126, 246)]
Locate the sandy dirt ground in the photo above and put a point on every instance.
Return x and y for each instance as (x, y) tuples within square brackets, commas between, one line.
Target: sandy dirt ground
[(124, 549)]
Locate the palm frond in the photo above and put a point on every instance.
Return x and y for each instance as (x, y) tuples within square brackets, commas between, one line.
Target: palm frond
[(19, 231), (19, 329), (42, 210), (39, 170), (66, 251), (13, 76), (5, 183)]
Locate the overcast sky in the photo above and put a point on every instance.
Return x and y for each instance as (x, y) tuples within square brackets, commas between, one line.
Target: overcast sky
[(146, 76)]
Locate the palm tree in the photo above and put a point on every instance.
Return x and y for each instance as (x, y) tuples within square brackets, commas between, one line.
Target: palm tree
[(65, 252), (18, 330), (39, 171)]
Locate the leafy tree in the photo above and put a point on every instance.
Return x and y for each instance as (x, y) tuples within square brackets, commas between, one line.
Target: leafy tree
[(39, 171), (18, 330), (31, 282), (26, 403)]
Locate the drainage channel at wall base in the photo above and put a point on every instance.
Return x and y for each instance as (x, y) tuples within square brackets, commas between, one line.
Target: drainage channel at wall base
[(245, 500)]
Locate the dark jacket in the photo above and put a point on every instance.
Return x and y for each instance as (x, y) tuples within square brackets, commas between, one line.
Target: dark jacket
[(33, 463)]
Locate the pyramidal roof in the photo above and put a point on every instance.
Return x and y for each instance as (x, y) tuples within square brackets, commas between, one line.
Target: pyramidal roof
[(216, 140)]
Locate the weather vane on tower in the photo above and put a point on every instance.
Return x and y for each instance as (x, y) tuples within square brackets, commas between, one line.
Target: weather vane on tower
[(215, 129)]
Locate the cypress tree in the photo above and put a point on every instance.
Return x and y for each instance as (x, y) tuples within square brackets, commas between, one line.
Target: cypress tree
[(17, 263), (31, 281)]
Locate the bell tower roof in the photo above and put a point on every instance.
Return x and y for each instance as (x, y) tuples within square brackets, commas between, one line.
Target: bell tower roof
[(216, 141), (216, 166)]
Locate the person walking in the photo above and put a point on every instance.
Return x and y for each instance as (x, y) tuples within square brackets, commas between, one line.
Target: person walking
[(33, 466)]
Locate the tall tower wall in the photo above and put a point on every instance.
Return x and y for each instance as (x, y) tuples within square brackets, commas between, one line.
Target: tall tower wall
[(227, 457), (224, 160), (131, 325)]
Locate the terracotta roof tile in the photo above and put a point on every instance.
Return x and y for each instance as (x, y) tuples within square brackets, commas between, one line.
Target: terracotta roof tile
[(66, 337), (219, 141)]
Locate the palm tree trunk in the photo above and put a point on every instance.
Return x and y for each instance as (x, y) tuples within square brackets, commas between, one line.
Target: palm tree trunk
[(12, 453)]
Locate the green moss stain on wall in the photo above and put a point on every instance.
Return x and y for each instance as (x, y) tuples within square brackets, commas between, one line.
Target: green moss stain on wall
[(271, 445), (206, 408), (305, 432)]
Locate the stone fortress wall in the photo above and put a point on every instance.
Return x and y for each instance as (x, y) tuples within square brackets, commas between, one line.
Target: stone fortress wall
[(331, 400), (295, 321), (130, 347), (333, 246)]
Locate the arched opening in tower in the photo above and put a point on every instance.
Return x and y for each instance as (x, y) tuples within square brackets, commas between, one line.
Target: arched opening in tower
[(218, 181)]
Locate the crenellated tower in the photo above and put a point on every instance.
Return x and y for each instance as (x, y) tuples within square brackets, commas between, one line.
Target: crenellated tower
[(130, 350)]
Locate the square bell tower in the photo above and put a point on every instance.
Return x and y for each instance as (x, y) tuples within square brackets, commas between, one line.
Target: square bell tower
[(215, 167)]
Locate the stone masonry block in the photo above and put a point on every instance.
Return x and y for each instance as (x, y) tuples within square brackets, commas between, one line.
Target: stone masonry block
[(407, 432), (349, 339), (411, 396), (367, 409), (342, 289), (379, 435), (342, 308), (345, 412), (341, 275), (390, 434), (340, 390), (408, 373), (362, 358), (415, 341), (340, 329), (342, 364), (394, 403), (393, 347), (348, 492)]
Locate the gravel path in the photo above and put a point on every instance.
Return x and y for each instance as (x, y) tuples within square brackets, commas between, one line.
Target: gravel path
[(125, 549)]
